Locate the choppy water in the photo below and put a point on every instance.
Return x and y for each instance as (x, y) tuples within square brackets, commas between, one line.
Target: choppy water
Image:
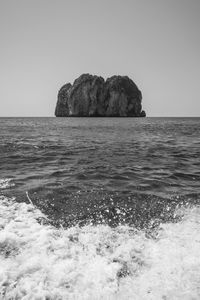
[(99, 208)]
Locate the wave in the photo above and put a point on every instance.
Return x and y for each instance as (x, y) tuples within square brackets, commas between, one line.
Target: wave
[(39, 261)]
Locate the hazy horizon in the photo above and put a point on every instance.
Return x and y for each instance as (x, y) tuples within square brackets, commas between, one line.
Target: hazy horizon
[(45, 44)]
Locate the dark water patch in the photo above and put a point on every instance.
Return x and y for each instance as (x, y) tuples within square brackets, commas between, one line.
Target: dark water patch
[(120, 177), (94, 207), (185, 176), (57, 174)]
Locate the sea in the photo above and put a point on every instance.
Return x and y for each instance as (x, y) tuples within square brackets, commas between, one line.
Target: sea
[(100, 208)]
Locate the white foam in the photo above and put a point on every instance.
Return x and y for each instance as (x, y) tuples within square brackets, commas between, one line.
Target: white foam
[(96, 262), (6, 183)]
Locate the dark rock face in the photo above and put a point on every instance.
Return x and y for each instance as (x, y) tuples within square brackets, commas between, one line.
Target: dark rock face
[(92, 96), (123, 98), (86, 96), (62, 108)]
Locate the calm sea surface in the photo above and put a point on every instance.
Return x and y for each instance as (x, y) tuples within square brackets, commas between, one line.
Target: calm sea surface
[(99, 208)]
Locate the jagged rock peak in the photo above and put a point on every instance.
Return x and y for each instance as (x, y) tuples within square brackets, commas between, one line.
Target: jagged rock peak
[(92, 96)]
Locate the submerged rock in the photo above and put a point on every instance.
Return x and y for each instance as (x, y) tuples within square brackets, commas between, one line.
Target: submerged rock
[(92, 96)]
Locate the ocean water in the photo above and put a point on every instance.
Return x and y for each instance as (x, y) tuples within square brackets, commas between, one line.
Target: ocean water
[(100, 208)]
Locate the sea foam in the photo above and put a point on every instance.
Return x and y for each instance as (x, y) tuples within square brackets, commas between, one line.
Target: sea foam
[(6, 183), (38, 261)]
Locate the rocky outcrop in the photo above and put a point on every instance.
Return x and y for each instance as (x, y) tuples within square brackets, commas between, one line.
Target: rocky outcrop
[(123, 98), (92, 96), (62, 107), (86, 96)]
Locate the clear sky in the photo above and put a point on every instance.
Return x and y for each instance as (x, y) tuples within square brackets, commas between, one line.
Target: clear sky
[(46, 43)]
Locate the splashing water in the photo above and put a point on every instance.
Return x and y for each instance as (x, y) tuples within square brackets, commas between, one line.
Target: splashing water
[(6, 183), (38, 261)]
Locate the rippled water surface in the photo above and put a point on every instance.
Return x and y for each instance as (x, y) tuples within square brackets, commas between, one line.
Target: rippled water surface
[(99, 200)]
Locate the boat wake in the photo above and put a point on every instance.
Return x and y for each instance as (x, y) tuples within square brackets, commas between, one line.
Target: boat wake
[(39, 261)]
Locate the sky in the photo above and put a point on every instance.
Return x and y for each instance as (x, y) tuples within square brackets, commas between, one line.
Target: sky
[(47, 43)]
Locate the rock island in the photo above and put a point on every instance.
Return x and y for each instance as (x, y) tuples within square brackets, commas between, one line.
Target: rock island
[(92, 96)]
